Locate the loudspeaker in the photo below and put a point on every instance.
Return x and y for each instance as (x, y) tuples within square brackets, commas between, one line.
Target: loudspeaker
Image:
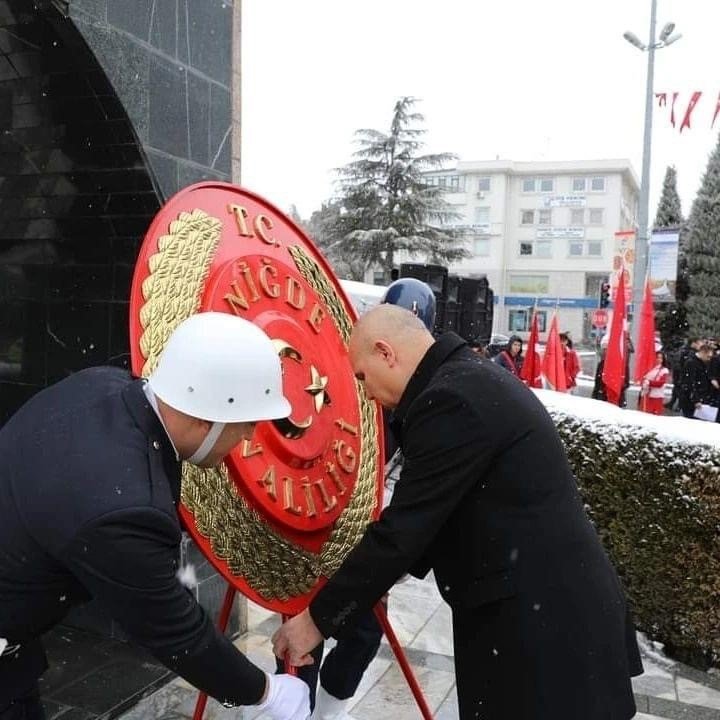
[(452, 317), (453, 288), (439, 317)]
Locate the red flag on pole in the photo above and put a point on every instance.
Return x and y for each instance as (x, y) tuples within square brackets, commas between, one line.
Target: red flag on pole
[(554, 362), (614, 368), (645, 358), (531, 372)]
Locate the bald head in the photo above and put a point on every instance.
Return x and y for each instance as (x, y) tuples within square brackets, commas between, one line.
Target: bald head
[(386, 346), (390, 322)]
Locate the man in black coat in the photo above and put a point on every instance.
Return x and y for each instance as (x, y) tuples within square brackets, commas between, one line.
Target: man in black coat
[(697, 381), (89, 487), (487, 500)]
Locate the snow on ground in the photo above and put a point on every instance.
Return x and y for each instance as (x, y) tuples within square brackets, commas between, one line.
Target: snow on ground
[(669, 427), (653, 650)]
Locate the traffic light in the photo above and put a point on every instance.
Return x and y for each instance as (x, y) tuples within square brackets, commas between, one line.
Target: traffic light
[(604, 294)]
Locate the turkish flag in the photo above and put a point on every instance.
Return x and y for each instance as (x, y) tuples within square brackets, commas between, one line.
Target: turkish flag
[(614, 368), (531, 372), (554, 361), (645, 358)]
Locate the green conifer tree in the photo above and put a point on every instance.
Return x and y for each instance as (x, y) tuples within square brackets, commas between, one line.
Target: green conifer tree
[(702, 253), (385, 205)]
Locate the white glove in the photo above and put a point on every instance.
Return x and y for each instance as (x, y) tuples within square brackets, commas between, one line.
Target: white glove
[(288, 698)]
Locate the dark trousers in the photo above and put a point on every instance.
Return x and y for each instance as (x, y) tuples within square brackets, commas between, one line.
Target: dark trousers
[(19, 674), (307, 673), (345, 664), (26, 707)]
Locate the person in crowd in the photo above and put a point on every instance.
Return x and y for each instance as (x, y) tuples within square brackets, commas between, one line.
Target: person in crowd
[(89, 489), (599, 392), (679, 394), (698, 388), (511, 358), (487, 500), (479, 348), (652, 390), (344, 666), (714, 369), (571, 362)]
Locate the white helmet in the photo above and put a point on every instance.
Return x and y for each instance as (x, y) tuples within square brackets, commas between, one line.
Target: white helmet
[(221, 368)]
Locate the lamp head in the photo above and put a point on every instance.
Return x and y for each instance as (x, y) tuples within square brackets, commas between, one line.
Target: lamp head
[(666, 31), (633, 39)]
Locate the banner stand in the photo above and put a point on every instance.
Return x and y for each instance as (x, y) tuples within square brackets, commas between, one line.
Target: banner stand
[(382, 618)]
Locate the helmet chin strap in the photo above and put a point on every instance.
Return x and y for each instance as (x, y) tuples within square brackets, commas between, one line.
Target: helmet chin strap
[(207, 444)]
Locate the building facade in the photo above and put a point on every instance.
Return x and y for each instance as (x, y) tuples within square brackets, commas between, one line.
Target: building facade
[(542, 232)]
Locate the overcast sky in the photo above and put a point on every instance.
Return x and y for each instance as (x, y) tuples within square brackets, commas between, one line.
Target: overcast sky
[(518, 79)]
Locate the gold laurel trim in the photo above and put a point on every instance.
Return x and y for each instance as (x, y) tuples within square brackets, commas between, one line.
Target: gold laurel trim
[(272, 566), (178, 271)]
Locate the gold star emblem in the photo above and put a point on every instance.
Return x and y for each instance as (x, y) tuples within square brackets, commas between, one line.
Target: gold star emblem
[(317, 389)]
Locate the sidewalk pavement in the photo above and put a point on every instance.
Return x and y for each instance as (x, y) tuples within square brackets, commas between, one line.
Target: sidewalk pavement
[(422, 622)]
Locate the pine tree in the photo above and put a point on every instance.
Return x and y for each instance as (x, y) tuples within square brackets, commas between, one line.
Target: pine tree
[(671, 318), (385, 206), (669, 213), (702, 252)]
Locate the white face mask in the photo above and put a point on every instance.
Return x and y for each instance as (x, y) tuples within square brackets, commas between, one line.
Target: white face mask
[(207, 444)]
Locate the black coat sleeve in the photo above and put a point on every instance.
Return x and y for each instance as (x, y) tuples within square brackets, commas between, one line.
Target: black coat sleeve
[(447, 448), (128, 561)]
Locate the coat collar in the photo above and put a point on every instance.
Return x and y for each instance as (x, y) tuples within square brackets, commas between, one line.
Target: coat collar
[(436, 355), (145, 418)]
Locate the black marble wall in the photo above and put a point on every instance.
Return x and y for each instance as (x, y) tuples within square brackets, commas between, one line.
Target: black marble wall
[(105, 110), (170, 63)]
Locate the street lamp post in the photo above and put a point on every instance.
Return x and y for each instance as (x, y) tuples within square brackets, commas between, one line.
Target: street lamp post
[(641, 243)]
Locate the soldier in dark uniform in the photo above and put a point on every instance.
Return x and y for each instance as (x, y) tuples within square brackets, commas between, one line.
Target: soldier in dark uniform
[(89, 487), (486, 499)]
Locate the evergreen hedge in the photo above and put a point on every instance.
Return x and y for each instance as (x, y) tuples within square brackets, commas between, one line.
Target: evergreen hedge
[(654, 498)]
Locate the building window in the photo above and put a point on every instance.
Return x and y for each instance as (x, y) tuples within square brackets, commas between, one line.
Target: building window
[(547, 184), (578, 184), (536, 248), (519, 320), (531, 284), (482, 215), (481, 247), (543, 248), (528, 185), (597, 184), (596, 216), (577, 216), (379, 277), (585, 248), (484, 184), (541, 217), (449, 183)]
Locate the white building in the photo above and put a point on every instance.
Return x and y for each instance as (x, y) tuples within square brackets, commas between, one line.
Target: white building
[(541, 231)]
